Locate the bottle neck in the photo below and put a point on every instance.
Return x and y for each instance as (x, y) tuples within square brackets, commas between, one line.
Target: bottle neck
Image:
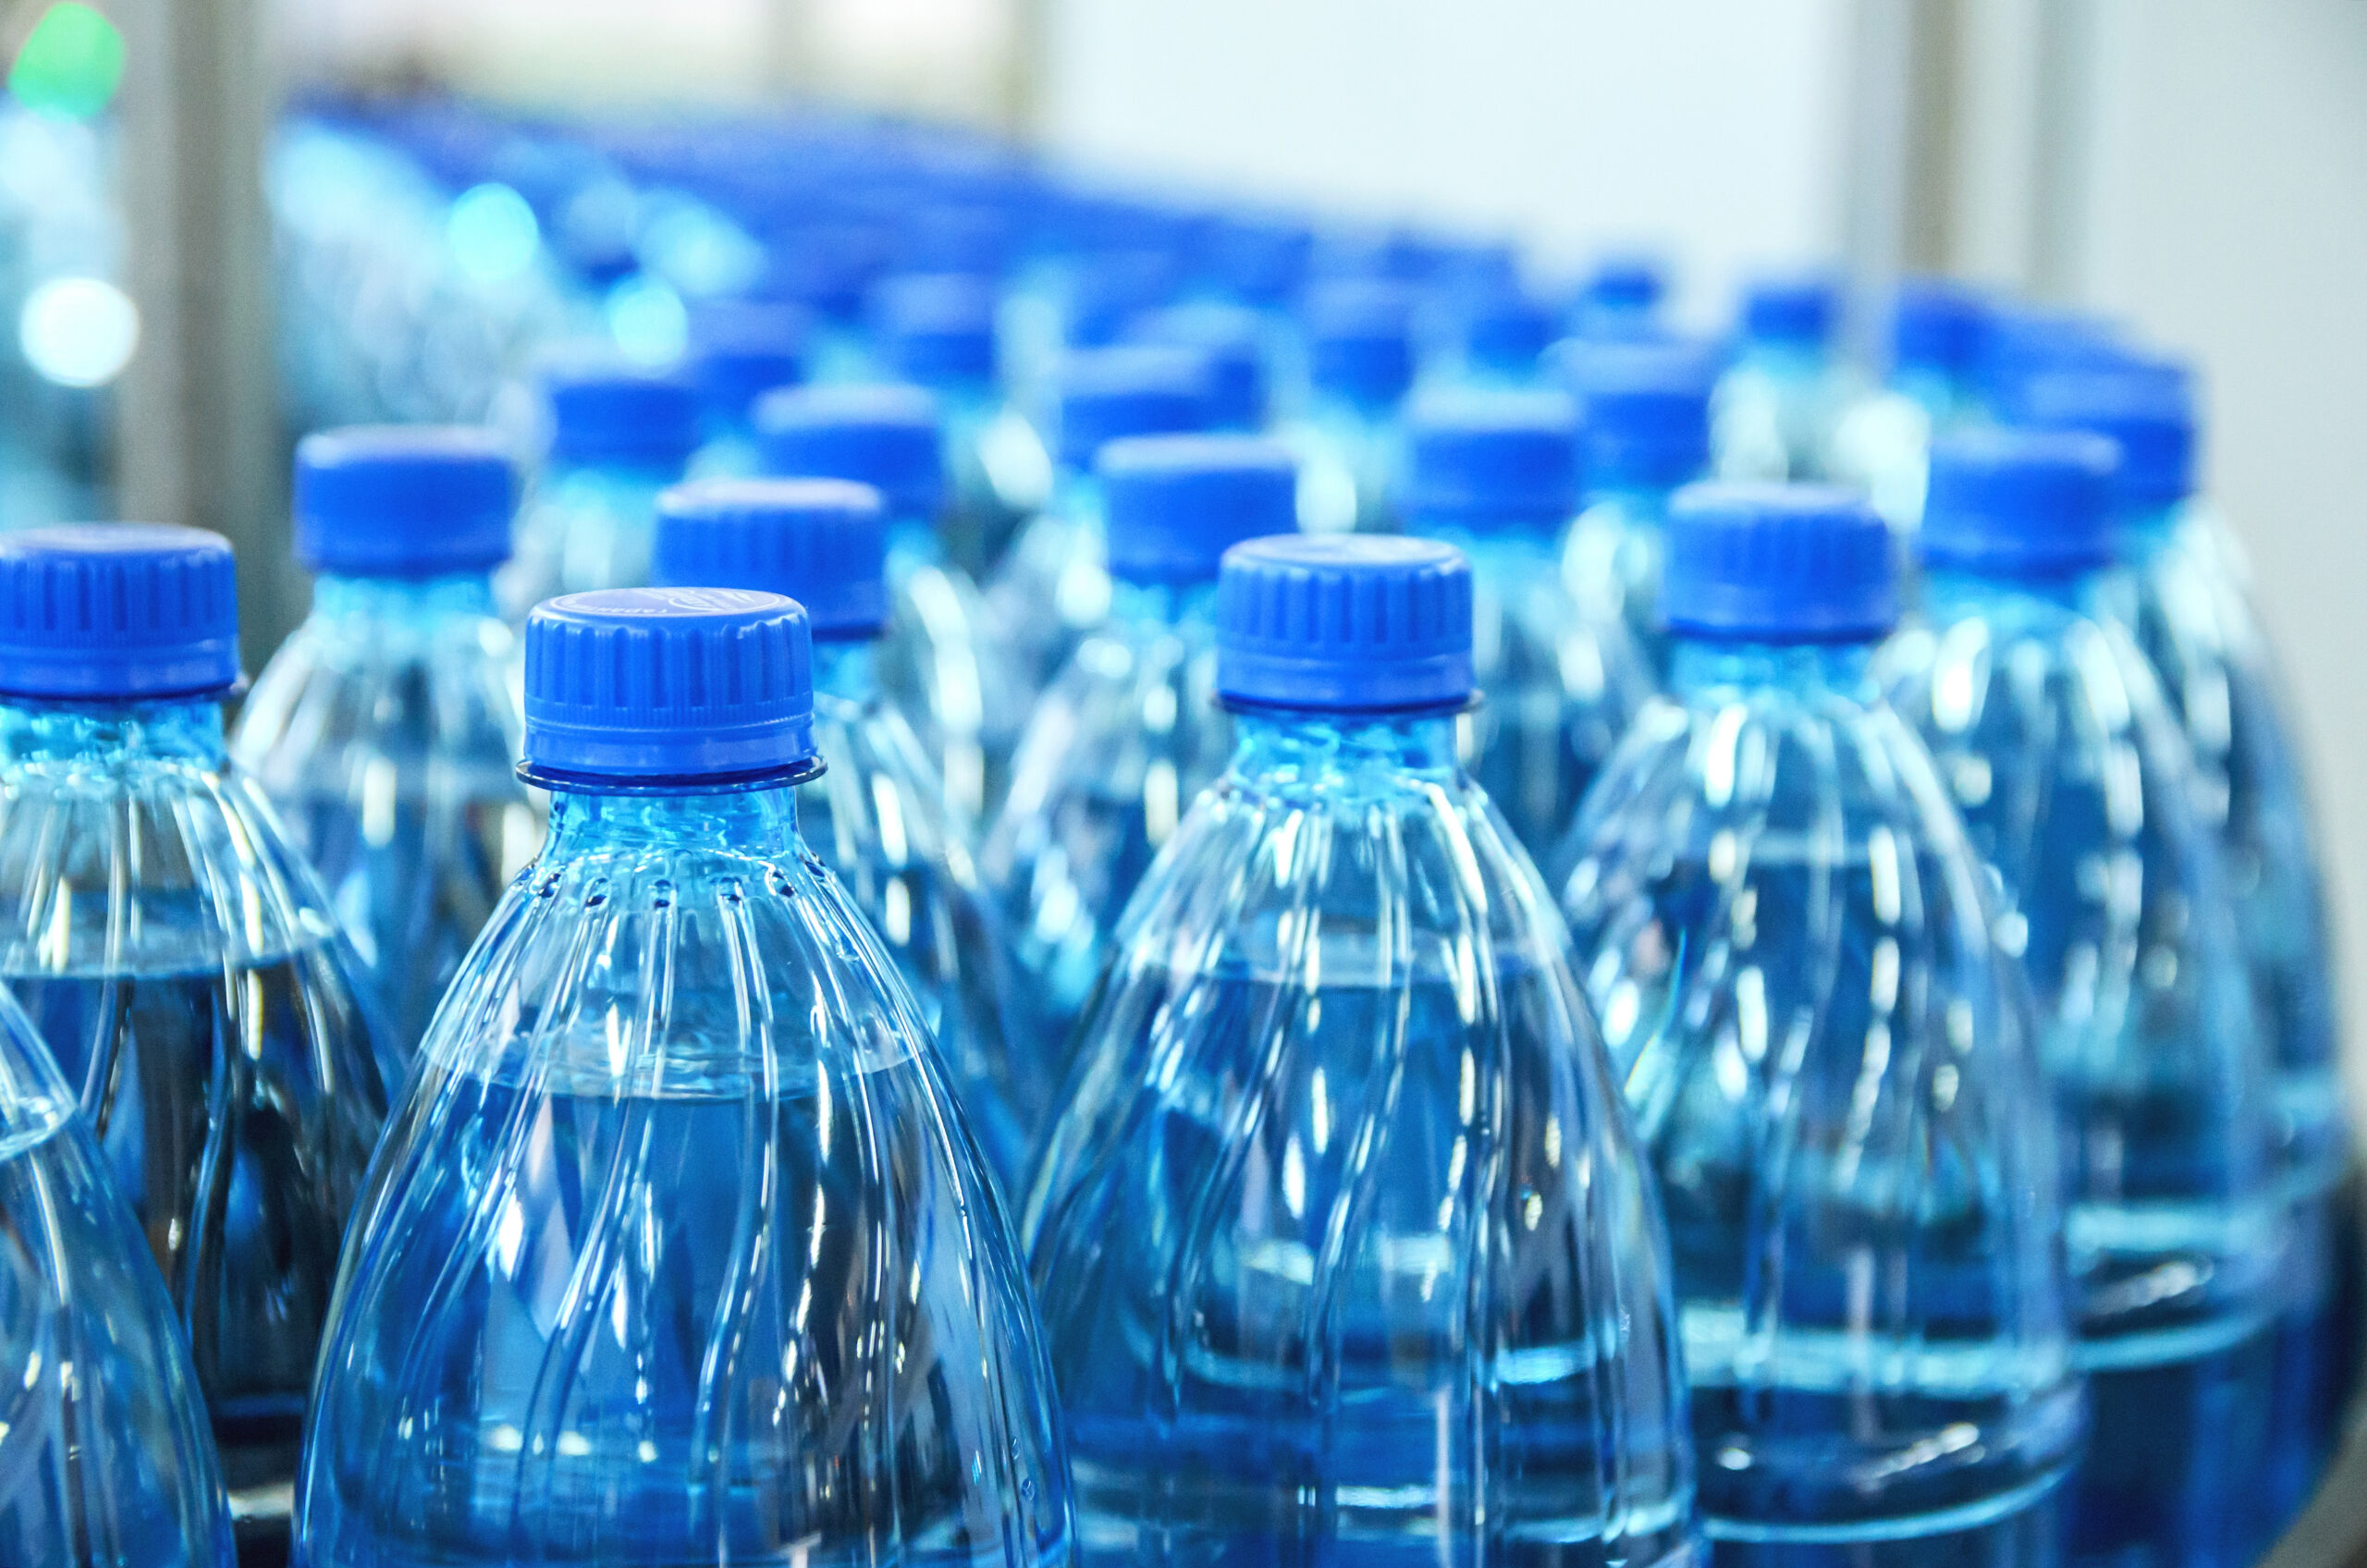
[(846, 668), (913, 541), (1950, 593), (187, 730), (1162, 604), (760, 821), (1301, 741), (1702, 665), (2141, 532), (339, 598)]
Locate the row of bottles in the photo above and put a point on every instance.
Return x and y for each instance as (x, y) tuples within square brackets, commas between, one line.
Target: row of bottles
[(1003, 974)]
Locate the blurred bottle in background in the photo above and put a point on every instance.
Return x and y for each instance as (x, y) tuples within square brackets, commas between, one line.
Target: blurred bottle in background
[(1129, 732), (739, 352), (1620, 300), (942, 659), (1777, 402), (617, 436), (1831, 1068), (1232, 343), (1053, 586), (1343, 1247), (2190, 617), (1495, 473), (182, 962), (2053, 735), (385, 730), (937, 330), (1644, 431), (1881, 439), (109, 1461), (750, 1293), (1360, 339)]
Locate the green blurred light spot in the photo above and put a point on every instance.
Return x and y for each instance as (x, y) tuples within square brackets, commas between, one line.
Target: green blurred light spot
[(492, 233), (71, 64)]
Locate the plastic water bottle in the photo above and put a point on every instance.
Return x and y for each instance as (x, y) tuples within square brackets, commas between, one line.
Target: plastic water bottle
[(1620, 300), (183, 964), (1343, 1247), (1776, 406), (1053, 586), (938, 331), (942, 658), (877, 816), (1880, 441), (2206, 644), (1129, 733), (1496, 474), (1359, 368), (1235, 344), (386, 729), (106, 1461), (679, 1249), (740, 351), (1497, 332), (2078, 792), (1831, 1067), (1645, 432), (617, 436)]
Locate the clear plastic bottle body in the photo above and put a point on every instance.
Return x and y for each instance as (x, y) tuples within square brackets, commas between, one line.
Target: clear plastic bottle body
[(1053, 586), (105, 1461), (586, 526), (878, 819), (386, 733), (1880, 441), (1115, 751), (999, 471), (184, 966), (1558, 685), (1350, 455), (945, 661), (680, 1250), (2186, 606), (2079, 793), (1830, 1065), (1773, 413), (1342, 1242), (1612, 562)]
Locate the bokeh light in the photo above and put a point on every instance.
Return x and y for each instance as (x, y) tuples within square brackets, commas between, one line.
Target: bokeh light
[(492, 233), (648, 321), (70, 62), (78, 331)]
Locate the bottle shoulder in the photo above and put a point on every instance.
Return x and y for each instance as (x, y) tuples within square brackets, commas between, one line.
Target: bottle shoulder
[(336, 698)]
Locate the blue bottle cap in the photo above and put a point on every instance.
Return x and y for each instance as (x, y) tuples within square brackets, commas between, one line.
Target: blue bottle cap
[(1647, 413), (2018, 341), (1349, 622), (936, 329), (1176, 503), (1502, 324), (1258, 258), (959, 237), (886, 437), (2146, 409), (822, 541), (1140, 389), (1360, 340), (1936, 325), (1778, 563), (1232, 340), (2019, 503), (663, 685), (622, 415), (403, 500), (1107, 289), (1626, 282), (1488, 461), (117, 612), (742, 350), (1798, 310)]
